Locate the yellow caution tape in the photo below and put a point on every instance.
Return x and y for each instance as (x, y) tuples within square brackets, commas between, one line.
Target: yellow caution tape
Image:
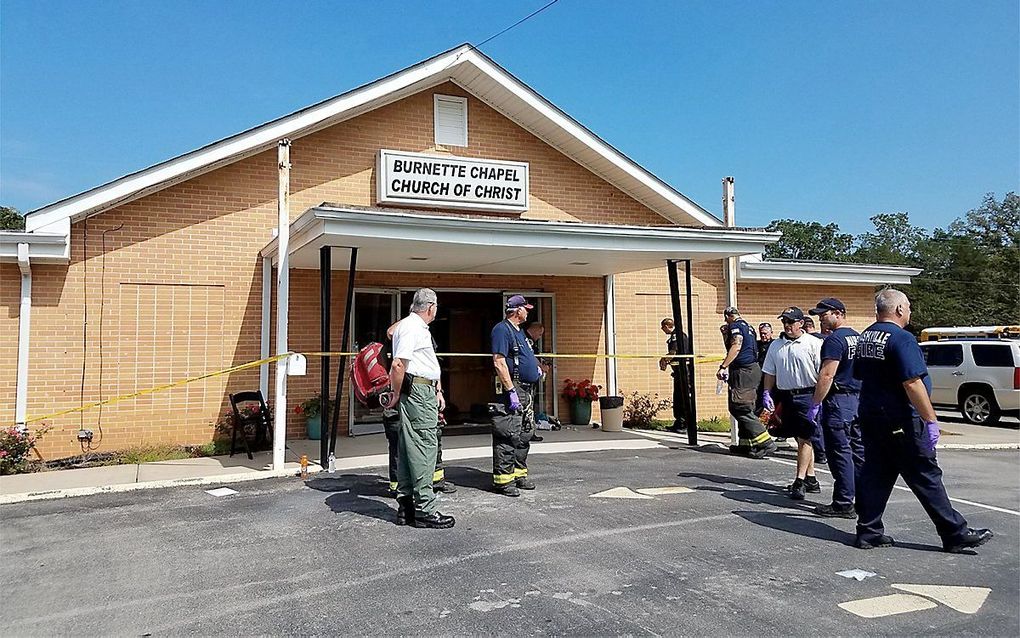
[(260, 362)]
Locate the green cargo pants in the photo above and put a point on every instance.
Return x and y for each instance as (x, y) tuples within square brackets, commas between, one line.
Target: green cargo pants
[(417, 446), (391, 425)]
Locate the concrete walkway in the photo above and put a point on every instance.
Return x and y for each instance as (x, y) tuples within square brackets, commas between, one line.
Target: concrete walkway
[(370, 451)]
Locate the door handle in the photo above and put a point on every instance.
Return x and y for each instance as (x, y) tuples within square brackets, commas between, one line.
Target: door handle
[(957, 374)]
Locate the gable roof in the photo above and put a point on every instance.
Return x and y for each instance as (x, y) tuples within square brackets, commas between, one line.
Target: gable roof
[(463, 65)]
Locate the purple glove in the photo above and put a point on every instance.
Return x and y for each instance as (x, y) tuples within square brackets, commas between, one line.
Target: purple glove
[(515, 401), (767, 402), (931, 434), (812, 413)]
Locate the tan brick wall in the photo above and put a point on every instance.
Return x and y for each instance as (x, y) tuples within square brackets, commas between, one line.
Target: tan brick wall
[(199, 240), (172, 284)]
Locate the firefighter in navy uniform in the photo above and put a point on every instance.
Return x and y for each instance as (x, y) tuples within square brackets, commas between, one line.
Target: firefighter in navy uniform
[(741, 371), (836, 397), (673, 365), (518, 371), (900, 430)]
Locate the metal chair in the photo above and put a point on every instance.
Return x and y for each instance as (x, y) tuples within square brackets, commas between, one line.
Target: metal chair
[(260, 420)]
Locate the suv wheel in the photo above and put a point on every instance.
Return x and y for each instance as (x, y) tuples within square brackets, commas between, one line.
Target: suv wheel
[(978, 406)]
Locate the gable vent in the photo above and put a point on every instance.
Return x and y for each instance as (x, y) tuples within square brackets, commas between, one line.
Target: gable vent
[(451, 120)]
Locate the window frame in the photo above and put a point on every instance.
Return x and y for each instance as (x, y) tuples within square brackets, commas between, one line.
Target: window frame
[(463, 101)]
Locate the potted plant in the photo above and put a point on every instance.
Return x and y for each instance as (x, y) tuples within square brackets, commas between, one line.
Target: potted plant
[(580, 395), (311, 409)]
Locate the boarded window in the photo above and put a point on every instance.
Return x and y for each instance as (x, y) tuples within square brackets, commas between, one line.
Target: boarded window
[(451, 120)]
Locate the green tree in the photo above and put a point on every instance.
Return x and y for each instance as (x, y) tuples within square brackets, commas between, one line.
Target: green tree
[(895, 241), (809, 241), (11, 219)]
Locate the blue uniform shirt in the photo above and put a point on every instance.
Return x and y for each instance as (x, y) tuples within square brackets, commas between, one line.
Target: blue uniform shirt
[(503, 337), (886, 356), (841, 345), (748, 349)]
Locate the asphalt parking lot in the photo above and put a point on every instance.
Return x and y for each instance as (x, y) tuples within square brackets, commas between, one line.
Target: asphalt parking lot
[(711, 546)]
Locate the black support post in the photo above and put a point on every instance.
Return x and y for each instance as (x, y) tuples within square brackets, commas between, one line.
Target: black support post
[(692, 417), (344, 345), (325, 280)]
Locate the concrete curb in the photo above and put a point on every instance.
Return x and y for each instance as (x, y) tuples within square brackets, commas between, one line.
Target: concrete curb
[(292, 469)]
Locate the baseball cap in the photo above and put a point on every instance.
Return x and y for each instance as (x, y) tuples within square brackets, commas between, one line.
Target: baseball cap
[(793, 313), (731, 311), (518, 301), (827, 304)]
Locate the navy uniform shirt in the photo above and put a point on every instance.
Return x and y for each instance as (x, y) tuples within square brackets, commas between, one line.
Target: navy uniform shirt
[(841, 345), (748, 349), (888, 355), (503, 337)]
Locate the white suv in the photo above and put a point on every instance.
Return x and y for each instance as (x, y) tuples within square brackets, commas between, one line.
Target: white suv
[(979, 377)]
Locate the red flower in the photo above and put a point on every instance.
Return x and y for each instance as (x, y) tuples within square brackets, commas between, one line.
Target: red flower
[(297, 409)]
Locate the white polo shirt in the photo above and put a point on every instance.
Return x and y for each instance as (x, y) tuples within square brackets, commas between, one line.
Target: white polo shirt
[(412, 342), (795, 363)]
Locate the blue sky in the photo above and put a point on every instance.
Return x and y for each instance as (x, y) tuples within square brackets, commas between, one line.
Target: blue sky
[(822, 111)]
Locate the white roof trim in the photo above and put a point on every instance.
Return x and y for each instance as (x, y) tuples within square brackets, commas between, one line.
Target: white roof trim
[(42, 248), (399, 241), (463, 63), (800, 272)]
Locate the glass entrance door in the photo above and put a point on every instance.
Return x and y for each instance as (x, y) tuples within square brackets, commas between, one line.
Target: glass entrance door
[(374, 312)]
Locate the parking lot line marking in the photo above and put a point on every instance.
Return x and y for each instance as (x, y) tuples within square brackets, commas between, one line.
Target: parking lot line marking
[(655, 491), (966, 600), (887, 605), (907, 489), (619, 492)]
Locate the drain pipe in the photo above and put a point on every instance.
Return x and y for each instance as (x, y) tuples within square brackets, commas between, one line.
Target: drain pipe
[(729, 203), (24, 331), (282, 301)]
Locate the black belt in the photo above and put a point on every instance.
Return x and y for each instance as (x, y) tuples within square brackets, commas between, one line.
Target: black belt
[(799, 391)]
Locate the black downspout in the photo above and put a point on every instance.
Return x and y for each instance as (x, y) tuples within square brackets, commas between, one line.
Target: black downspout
[(344, 344), (692, 421), (325, 280)]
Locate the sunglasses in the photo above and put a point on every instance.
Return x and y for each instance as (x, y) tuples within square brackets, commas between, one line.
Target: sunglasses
[(787, 322)]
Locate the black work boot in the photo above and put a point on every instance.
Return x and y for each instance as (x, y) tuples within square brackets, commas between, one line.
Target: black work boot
[(811, 485), (525, 483), (444, 486), (969, 540), (873, 542), (763, 450), (509, 489), (405, 510), (434, 520), (836, 511), (797, 490)]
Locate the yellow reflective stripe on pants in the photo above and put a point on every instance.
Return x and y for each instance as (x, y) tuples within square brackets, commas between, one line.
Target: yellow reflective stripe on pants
[(393, 485), (438, 476), (503, 479), (520, 471), (761, 438)]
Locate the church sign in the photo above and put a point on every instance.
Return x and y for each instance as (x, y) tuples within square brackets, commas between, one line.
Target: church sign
[(443, 181)]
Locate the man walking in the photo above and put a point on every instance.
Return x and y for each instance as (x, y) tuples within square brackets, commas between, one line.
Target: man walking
[(791, 367), (741, 371), (518, 371), (900, 430), (414, 377), (837, 392)]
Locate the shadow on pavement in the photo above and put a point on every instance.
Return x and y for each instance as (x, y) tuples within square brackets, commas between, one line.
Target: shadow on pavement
[(814, 528), (470, 477), (356, 493)]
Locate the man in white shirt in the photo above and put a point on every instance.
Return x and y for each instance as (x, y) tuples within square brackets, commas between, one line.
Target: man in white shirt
[(414, 377), (791, 370)]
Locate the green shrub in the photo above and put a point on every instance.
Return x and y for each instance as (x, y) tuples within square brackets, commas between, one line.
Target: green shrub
[(640, 408), (15, 446)]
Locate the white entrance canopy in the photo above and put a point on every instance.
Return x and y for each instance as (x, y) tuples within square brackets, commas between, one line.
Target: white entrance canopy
[(392, 240)]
